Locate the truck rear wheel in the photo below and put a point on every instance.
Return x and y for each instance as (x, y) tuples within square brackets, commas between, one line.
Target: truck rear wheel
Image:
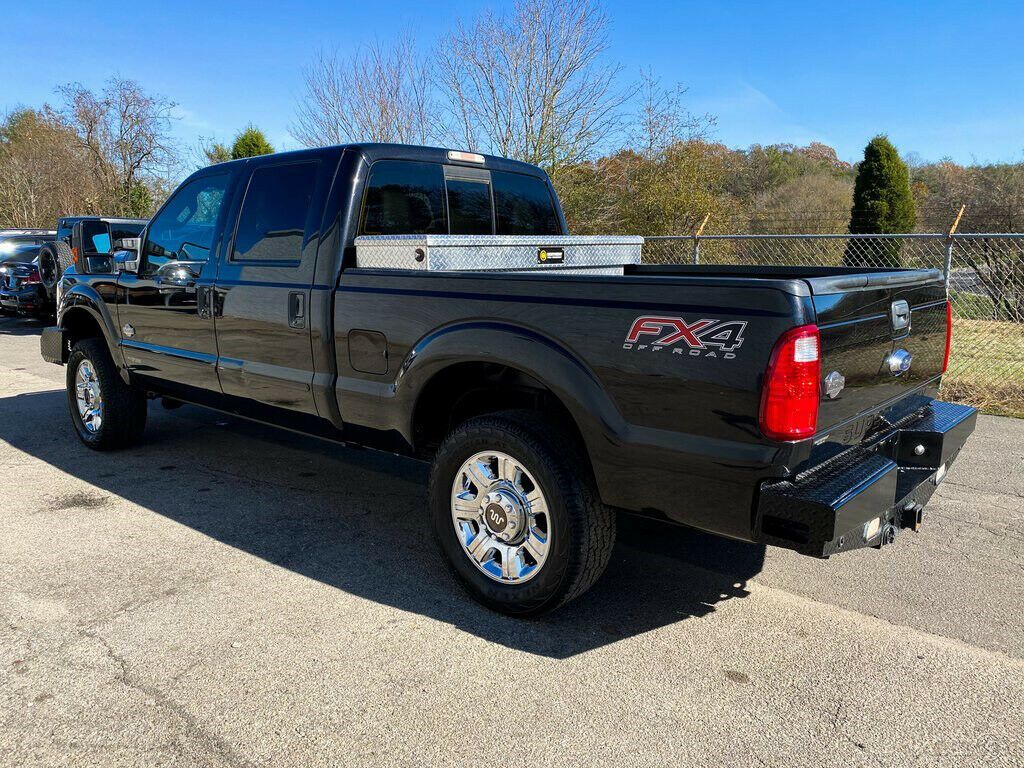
[(106, 412), (516, 514)]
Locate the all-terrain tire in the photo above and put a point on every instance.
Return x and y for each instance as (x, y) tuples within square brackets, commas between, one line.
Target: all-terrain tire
[(54, 260), (582, 528), (123, 412)]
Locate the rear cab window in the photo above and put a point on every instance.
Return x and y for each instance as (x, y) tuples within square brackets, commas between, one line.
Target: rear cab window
[(523, 205), (406, 197)]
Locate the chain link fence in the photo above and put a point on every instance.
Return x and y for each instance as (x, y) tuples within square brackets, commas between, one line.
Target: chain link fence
[(985, 275)]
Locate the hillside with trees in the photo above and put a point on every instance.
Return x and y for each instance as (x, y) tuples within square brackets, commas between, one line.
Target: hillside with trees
[(624, 152)]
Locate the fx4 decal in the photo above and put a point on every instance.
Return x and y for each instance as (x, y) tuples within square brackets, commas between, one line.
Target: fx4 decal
[(700, 338)]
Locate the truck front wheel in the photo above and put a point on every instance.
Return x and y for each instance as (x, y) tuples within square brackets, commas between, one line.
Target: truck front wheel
[(107, 413), (516, 514)]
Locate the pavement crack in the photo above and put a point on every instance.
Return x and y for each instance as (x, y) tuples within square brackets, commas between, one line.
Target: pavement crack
[(194, 727)]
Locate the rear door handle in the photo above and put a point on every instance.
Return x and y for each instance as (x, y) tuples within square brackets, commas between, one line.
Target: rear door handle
[(297, 309)]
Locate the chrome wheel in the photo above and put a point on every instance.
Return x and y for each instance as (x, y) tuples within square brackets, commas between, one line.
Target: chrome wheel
[(89, 397), (501, 517)]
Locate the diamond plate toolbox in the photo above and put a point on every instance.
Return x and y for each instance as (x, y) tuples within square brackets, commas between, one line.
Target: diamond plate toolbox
[(600, 255)]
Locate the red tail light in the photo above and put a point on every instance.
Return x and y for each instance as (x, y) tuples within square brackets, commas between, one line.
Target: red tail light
[(790, 394), (33, 277), (949, 335)]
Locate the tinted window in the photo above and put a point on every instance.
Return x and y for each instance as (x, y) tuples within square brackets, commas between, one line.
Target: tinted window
[(523, 205), (272, 224), (404, 198), (184, 229), (469, 207), (119, 231)]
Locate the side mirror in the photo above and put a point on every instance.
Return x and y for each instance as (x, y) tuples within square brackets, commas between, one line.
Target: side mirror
[(93, 237), (127, 261)]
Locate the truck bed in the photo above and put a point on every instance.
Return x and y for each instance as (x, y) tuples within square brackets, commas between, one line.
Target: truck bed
[(687, 417)]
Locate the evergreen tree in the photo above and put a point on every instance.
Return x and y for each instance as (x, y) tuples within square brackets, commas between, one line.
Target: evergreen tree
[(140, 200), (250, 143), (882, 204)]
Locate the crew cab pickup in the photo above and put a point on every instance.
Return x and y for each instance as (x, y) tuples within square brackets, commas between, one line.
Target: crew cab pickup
[(430, 303)]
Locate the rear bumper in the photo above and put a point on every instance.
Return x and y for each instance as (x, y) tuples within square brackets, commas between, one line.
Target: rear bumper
[(829, 508)]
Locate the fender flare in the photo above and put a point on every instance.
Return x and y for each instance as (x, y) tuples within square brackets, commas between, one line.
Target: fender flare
[(81, 298), (522, 349)]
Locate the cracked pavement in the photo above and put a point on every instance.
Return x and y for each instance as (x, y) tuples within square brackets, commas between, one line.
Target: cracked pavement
[(230, 595)]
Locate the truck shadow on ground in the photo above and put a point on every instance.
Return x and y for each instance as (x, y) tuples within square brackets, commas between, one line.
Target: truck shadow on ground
[(356, 520)]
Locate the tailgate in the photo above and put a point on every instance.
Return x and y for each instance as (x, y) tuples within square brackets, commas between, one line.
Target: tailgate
[(869, 324)]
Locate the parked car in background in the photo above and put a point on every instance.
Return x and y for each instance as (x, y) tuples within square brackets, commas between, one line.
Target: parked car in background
[(21, 287)]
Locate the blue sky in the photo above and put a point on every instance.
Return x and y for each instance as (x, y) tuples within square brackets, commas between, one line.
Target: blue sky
[(941, 78)]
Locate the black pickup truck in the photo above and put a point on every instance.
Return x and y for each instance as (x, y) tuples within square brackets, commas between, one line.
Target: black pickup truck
[(790, 406)]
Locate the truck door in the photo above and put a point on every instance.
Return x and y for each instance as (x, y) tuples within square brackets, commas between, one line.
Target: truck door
[(164, 310), (264, 282)]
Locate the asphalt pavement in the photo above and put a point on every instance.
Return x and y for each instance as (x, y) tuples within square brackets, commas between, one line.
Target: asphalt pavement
[(230, 595)]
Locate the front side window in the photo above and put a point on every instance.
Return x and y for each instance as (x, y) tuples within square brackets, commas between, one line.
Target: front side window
[(404, 198), (184, 230), (272, 224), (523, 205)]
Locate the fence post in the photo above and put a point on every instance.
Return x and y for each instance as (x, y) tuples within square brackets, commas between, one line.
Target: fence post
[(696, 238), (948, 266)]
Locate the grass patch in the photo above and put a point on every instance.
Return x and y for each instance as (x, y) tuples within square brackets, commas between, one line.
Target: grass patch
[(972, 305), (986, 366)]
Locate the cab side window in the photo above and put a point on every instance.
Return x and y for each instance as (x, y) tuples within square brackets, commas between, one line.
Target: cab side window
[(184, 230), (273, 222)]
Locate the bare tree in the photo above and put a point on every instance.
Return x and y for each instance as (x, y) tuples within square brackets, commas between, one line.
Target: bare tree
[(127, 134), (533, 83), (381, 93), (662, 118), (38, 153)]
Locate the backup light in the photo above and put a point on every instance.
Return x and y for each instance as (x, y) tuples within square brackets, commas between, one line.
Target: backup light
[(871, 528), (790, 393), (465, 157)]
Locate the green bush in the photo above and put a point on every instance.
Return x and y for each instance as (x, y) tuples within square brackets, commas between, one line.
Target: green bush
[(250, 143)]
